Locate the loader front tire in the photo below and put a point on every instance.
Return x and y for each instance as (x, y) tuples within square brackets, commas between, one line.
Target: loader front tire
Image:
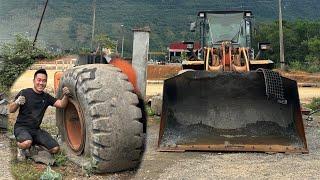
[(101, 124)]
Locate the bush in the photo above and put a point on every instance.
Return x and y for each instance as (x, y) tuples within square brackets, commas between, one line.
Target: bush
[(304, 66), (49, 174), (4, 89), (296, 65), (16, 58), (84, 51), (313, 69), (313, 63)]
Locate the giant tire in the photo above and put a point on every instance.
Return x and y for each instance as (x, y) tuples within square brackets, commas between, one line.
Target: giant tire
[(103, 111)]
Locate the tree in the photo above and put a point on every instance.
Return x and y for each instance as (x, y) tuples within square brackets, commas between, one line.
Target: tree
[(301, 39), (313, 58), (103, 41)]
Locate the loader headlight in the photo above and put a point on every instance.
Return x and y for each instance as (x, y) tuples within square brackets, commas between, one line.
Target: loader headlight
[(248, 14), (189, 46), (263, 46), (201, 14)]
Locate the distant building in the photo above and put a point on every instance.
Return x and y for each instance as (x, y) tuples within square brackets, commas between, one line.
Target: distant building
[(176, 49)]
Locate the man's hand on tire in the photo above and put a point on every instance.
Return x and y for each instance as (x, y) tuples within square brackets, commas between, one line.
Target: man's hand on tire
[(65, 91), (20, 100)]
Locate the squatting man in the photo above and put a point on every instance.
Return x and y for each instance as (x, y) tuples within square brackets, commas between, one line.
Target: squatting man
[(32, 104)]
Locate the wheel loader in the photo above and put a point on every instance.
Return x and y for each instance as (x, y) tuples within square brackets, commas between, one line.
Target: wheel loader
[(227, 99)]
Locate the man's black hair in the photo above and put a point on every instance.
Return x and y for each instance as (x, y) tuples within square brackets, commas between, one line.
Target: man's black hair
[(40, 71)]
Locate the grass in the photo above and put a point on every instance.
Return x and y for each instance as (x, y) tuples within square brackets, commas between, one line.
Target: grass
[(28, 169), (60, 159), (24, 170), (89, 169), (149, 111), (315, 104)]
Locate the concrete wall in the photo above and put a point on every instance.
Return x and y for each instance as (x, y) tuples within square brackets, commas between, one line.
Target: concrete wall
[(140, 57)]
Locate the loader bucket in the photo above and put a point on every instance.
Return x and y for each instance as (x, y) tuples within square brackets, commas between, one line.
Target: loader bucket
[(230, 111)]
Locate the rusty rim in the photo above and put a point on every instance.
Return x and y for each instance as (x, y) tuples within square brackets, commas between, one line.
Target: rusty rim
[(74, 126)]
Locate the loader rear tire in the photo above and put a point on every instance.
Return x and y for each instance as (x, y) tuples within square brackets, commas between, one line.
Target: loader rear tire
[(101, 124)]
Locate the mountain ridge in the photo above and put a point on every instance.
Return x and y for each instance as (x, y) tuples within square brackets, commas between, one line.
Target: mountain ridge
[(67, 24)]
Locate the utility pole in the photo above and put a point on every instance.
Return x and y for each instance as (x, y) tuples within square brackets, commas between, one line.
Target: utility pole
[(93, 22), (282, 62), (116, 46), (44, 10), (122, 26)]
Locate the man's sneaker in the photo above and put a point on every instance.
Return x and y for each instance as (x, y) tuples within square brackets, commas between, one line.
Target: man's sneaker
[(23, 154), (27, 152)]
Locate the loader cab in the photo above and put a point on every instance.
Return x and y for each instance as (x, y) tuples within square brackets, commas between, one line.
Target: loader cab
[(226, 43), (217, 27)]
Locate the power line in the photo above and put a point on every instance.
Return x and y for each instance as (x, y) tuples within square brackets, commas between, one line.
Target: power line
[(44, 10)]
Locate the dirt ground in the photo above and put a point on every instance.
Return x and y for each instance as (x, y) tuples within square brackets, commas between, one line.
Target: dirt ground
[(5, 157), (210, 165), (156, 72), (302, 76)]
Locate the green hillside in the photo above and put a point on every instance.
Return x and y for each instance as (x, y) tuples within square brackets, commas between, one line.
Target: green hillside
[(68, 24)]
